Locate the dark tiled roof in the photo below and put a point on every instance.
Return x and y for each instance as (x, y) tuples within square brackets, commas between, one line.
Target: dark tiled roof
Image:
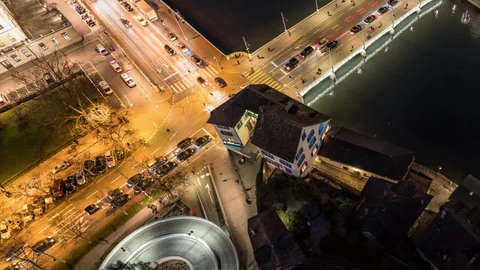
[(254, 96), (462, 194), (449, 237), (272, 243), (472, 183), (363, 152)]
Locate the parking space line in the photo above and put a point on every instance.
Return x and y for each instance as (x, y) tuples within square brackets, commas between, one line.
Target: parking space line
[(91, 195), (114, 180)]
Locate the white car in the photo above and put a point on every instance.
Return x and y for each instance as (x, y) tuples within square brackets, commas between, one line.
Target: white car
[(141, 20), (3, 101), (105, 88), (116, 66), (183, 47), (110, 159), (127, 80), (60, 167), (126, 22), (80, 178), (5, 230), (171, 36)]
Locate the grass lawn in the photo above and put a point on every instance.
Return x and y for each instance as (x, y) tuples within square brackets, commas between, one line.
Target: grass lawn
[(34, 130)]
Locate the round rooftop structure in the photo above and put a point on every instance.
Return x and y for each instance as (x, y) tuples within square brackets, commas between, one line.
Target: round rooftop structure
[(199, 243)]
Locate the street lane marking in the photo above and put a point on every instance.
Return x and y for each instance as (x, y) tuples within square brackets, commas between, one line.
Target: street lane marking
[(44, 229), (173, 135), (273, 63), (156, 150), (91, 195), (114, 180), (336, 26), (209, 194), (168, 77), (129, 102)]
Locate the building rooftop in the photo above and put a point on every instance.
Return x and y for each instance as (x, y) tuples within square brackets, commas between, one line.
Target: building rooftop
[(273, 246), (366, 153), (34, 19)]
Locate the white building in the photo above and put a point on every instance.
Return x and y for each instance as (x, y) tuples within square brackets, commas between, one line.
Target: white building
[(288, 133)]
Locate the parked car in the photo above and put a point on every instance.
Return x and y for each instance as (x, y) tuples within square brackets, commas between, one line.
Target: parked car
[(119, 153), (70, 184), (116, 66), (89, 167), (120, 201), (92, 209), (332, 45), (382, 10), (291, 64), (80, 178), (100, 164), (370, 19), (141, 20), (60, 167), (197, 61), (114, 193), (220, 82), (202, 140), (143, 185), (185, 154), (20, 248), (183, 47), (110, 159), (392, 2), (306, 52), (321, 44), (169, 50), (171, 36), (132, 181), (202, 81), (126, 22), (5, 230), (127, 6), (103, 85), (127, 80), (58, 189), (48, 78), (42, 245), (3, 100), (355, 29), (155, 163), (165, 169), (185, 143)]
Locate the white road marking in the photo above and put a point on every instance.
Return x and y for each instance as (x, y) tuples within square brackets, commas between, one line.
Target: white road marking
[(274, 64), (209, 194), (173, 135), (129, 102), (170, 76), (44, 229), (93, 194), (336, 26), (114, 180), (156, 150)]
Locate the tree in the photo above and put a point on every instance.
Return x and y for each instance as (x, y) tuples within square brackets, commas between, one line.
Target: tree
[(119, 265), (34, 188), (172, 184), (71, 228), (15, 248)]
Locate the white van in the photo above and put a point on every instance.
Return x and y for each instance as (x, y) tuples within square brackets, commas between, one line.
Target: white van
[(101, 49)]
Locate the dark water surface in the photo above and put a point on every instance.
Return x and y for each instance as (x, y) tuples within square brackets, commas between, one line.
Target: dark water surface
[(423, 94)]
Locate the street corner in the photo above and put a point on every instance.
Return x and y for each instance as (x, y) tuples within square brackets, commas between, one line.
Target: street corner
[(237, 62)]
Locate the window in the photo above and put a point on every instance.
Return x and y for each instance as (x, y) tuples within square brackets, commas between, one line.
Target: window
[(299, 153), (12, 38), (240, 124), (304, 167), (312, 142), (26, 53), (43, 46), (314, 150), (223, 127), (249, 126), (65, 36), (310, 135), (300, 161), (226, 133), (55, 41), (320, 129), (16, 58), (286, 163), (304, 135), (265, 153)]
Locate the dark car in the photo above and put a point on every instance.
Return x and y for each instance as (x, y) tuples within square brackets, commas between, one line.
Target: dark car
[(355, 29), (100, 164), (119, 153), (186, 154), (185, 143), (114, 193), (220, 82), (370, 19), (92, 209), (306, 52), (202, 140), (382, 10), (127, 6), (143, 185), (169, 50), (89, 167), (202, 81), (332, 45), (165, 169), (291, 64), (197, 61), (392, 2), (70, 184), (58, 189), (132, 181), (120, 201), (42, 245)]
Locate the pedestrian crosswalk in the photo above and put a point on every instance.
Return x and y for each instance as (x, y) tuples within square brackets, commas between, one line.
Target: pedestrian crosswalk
[(260, 77), (187, 82), (69, 224), (208, 71), (181, 85)]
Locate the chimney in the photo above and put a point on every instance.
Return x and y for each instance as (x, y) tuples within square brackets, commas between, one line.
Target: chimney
[(289, 105), (444, 213)]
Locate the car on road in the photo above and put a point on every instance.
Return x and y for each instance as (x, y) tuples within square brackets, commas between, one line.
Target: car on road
[(185, 143), (89, 167), (383, 10), (41, 246), (126, 22), (202, 140), (370, 19), (116, 66), (141, 20), (120, 201), (60, 167), (103, 85), (165, 169), (306, 52), (291, 64), (392, 2), (321, 44), (100, 164), (202, 81), (143, 185), (355, 29), (114, 193), (92, 208), (70, 184), (197, 61), (220, 82), (4, 230), (132, 181), (185, 154), (80, 178), (127, 80), (332, 45), (171, 36), (183, 47), (110, 159), (127, 6), (169, 50)]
